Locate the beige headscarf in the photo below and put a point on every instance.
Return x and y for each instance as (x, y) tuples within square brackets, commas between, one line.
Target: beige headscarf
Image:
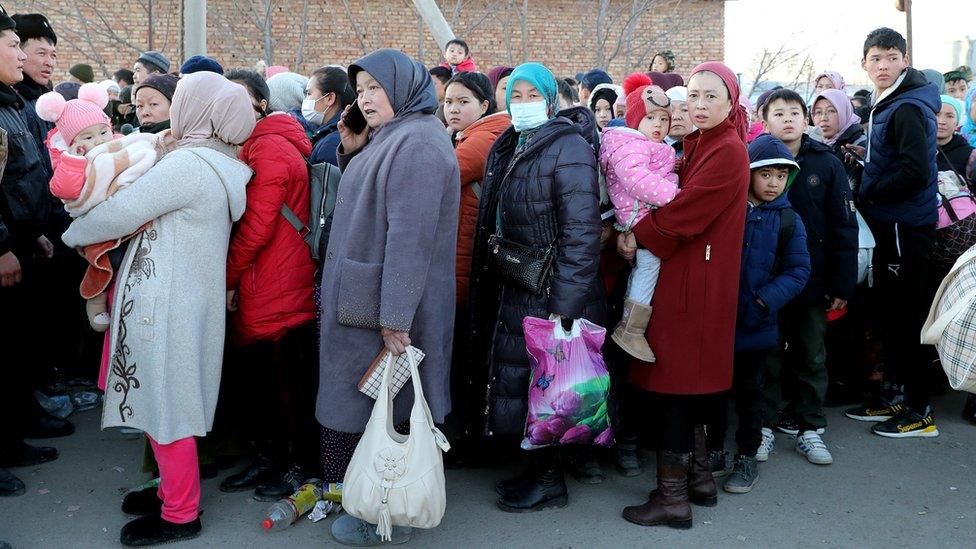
[(209, 111)]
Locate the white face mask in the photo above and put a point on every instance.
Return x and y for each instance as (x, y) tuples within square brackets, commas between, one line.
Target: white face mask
[(309, 112), (528, 116)]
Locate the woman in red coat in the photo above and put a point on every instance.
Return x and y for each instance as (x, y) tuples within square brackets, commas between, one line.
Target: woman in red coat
[(270, 278), (469, 108), (698, 237)]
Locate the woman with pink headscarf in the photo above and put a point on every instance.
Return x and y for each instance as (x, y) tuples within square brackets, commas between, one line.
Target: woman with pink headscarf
[(699, 240), (833, 115), (829, 80), (168, 306)]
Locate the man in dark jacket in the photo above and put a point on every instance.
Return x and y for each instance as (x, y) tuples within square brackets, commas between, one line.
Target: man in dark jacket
[(23, 207), (821, 197), (898, 198), (39, 43)]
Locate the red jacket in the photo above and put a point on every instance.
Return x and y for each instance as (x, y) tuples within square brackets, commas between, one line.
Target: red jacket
[(468, 65), (472, 154), (698, 237), (268, 263)]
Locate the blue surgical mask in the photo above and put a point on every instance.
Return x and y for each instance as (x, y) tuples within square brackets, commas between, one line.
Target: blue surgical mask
[(528, 116), (309, 112)]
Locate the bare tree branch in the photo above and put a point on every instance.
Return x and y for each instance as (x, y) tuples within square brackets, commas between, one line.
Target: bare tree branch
[(360, 35), (302, 35)]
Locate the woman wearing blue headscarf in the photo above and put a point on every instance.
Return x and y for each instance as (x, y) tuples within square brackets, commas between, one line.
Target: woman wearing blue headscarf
[(969, 118), (541, 192)]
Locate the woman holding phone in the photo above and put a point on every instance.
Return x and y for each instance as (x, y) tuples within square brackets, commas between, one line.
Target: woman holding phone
[(391, 255)]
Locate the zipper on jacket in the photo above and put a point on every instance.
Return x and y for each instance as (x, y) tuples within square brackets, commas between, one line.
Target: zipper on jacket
[(708, 252)]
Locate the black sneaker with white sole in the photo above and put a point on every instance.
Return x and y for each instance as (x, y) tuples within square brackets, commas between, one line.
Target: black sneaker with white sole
[(908, 424), (790, 426), (881, 412)]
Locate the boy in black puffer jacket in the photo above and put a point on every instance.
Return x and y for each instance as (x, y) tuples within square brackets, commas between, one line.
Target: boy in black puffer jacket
[(821, 197)]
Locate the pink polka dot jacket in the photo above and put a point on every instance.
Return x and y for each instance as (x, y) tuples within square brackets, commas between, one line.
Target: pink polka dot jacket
[(639, 174)]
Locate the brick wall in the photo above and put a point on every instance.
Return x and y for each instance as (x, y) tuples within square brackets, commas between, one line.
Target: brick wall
[(561, 33)]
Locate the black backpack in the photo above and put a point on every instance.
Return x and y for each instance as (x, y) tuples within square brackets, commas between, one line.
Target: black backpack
[(323, 181)]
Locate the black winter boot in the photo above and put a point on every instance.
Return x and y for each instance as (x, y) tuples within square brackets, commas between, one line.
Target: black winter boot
[(545, 491), (143, 502), (528, 474), (154, 530)]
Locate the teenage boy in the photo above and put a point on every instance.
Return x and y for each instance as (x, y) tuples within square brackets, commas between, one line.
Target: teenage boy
[(899, 200), (23, 211), (821, 197), (956, 85), (765, 287)]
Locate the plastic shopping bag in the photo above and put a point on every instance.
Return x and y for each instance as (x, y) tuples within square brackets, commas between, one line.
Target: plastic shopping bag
[(570, 385)]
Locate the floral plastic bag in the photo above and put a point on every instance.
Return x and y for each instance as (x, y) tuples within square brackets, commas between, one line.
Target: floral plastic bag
[(570, 385)]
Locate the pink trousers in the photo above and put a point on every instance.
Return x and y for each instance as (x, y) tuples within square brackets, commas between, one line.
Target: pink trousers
[(179, 479)]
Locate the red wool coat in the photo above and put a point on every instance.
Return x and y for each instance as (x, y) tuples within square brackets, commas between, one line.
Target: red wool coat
[(268, 263), (698, 237)]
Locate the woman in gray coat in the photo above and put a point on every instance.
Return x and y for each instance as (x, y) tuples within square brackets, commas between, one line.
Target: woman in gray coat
[(388, 275)]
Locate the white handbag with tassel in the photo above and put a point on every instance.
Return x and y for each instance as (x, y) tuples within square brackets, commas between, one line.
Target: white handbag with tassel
[(394, 479)]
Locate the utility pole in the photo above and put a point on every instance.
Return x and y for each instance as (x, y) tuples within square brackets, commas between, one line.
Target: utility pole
[(435, 21), (194, 28), (906, 6)]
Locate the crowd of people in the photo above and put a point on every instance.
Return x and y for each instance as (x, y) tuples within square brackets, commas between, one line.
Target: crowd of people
[(724, 243)]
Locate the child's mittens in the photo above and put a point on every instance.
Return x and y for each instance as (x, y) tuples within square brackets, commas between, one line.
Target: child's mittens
[(69, 179)]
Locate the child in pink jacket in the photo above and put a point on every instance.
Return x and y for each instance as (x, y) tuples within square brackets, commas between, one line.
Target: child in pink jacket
[(639, 168), (90, 164)]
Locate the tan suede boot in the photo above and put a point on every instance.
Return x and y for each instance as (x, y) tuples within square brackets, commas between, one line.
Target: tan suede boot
[(629, 333)]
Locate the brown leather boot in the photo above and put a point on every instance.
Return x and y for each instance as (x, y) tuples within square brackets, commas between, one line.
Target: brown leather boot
[(668, 505), (701, 484)]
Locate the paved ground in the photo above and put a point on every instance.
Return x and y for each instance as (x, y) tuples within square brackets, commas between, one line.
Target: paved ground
[(878, 493)]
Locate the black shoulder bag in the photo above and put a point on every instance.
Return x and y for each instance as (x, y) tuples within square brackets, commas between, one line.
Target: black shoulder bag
[(522, 265)]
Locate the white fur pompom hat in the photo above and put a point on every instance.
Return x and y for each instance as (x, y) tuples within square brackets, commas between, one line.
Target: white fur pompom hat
[(71, 117)]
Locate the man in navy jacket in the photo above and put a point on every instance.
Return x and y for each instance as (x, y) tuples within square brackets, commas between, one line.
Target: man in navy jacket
[(821, 197), (898, 198)]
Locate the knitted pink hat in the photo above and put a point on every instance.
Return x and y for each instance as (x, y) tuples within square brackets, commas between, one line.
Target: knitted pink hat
[(71, 117)]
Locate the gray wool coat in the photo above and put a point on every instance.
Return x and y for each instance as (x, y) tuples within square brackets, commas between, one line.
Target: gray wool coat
[(390, 263), (169, 301)]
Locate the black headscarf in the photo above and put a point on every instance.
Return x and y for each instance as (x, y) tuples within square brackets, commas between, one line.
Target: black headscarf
[(406, 82)]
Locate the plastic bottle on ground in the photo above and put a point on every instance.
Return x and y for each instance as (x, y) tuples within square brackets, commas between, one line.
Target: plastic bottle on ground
[(286, 511)]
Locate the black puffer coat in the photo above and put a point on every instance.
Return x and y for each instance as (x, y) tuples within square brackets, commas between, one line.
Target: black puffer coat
[(551, 192)]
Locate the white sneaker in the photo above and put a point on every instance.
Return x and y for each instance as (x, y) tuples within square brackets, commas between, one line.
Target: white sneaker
[(812, 447), (767, 446)]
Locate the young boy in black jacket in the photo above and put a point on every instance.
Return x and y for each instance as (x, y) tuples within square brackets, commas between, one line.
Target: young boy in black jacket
[(898, 198), (822, 198)]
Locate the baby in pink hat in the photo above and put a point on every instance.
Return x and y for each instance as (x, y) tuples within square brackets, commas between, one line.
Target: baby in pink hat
[(90, 164)]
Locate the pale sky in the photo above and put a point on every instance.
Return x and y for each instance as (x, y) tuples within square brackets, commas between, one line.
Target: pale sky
[(833, 31)]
